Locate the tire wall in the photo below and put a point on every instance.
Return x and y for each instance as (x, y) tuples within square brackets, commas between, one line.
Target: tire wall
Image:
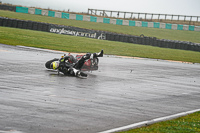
[(153, 41), (31, 25), (9, 8)]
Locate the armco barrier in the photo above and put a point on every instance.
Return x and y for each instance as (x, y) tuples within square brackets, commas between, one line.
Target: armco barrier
[(75, 31)]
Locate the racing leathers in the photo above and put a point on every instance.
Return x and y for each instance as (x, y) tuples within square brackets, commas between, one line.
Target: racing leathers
[(70, 66)]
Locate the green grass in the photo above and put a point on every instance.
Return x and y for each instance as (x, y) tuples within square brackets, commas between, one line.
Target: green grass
[(186, 124), (13, 36), (191, 36)]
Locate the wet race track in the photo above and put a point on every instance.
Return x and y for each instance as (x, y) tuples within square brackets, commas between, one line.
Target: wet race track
[(123, 91)]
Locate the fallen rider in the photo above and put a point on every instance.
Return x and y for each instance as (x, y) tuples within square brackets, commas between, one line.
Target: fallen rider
[(68, 65)]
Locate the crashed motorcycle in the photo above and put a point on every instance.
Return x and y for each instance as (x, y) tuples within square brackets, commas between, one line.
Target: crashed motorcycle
[(90, 64)]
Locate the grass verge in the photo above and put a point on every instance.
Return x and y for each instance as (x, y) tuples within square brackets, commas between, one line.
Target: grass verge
[(13, 36), (191, 36), (186, 124)]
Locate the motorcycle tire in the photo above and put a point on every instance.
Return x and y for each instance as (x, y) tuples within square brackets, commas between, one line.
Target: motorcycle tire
[(48, 63)]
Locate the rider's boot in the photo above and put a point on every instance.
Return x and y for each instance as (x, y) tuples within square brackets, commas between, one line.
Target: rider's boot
[(100, 54), (71, 71), (79, 73)]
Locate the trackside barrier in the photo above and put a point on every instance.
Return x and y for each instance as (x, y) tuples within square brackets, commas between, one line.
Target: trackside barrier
[(106, 20), (65, 15), (93, 19), (15, 23), (51, 13), (31, 10), (153, 41), (38, 11), (99, 19), (180, 27), (191, 27), (79, 17), (156, 25), (168, 26), (58, 14), (119, 22), (45, 12), (9, 8), (131, 23), (144, 24), (113, 21), (68, 30), (22, 9)]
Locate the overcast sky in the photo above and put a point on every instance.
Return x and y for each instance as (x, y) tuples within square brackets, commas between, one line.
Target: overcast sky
[(177, 7)]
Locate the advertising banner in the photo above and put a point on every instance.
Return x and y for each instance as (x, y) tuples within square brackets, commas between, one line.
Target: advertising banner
[(21, 9), (75, 31), (38, 11)]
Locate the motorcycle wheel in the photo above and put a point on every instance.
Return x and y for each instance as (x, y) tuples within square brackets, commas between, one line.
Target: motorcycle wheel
[(48, 63)]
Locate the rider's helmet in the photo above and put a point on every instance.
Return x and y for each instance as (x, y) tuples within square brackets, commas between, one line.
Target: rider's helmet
[(87, 56), (54, 65)]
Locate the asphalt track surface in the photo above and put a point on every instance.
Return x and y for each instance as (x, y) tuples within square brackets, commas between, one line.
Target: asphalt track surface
[(123, 91)]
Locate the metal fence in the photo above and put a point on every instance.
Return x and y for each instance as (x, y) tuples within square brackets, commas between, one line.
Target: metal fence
[(145, 16)]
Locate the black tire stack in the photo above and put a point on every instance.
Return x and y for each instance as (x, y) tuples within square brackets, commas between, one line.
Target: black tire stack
[(153, 41), (22, 24), (7, 7)]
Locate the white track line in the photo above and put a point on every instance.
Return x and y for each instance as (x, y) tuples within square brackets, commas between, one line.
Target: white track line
[(47, 50), (39, 49), (145, 123)]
